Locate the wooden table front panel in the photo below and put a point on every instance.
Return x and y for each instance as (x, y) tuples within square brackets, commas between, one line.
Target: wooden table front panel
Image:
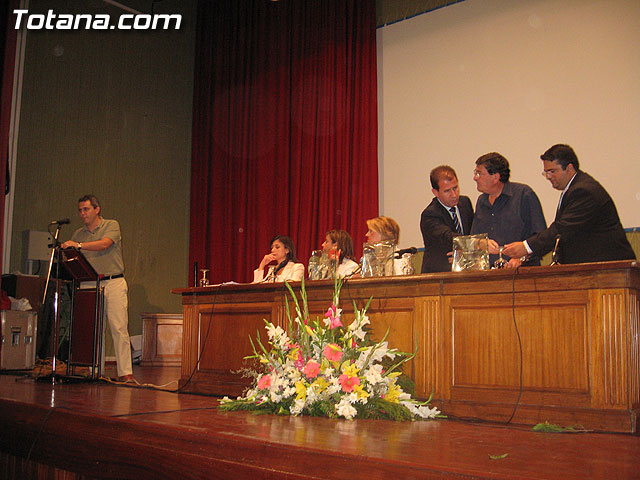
[(486, 350), (578, 324)]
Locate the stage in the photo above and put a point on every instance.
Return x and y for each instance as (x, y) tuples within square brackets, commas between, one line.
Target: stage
[(102, 430)]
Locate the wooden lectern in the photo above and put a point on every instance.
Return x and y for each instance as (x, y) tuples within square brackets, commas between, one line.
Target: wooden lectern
[(85, 330)]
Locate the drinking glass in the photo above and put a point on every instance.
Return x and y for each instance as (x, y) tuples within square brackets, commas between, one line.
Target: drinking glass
[(204, 281), (500, 262)]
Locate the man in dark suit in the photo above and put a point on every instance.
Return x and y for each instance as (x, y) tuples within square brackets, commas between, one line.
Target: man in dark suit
[(447, 216), (587, 227)]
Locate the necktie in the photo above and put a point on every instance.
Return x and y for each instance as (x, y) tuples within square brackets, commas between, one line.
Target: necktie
[(456, 224), (559, 202), (559, 205)]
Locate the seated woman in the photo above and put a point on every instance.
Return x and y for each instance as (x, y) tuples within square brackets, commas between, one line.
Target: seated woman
[(385, 229), (286, 267), (339, 242)]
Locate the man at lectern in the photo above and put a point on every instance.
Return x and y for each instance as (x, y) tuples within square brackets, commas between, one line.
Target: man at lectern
[(587, 227), (101, 243)]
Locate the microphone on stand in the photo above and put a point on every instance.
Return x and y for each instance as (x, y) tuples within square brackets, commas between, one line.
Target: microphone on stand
[(554, 253), (62, 221)]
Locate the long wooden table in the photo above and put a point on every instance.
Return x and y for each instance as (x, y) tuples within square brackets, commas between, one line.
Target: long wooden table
[(557, 344)]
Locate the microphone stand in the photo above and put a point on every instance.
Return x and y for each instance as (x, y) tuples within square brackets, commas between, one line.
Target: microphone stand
[(554, 253), (55, 251)]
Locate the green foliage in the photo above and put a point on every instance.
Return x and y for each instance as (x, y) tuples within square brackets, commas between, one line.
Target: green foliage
[(498, 457), (552, 428), (322, 408), (380, 409)]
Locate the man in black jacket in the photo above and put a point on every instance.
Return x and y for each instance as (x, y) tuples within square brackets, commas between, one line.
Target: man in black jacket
[(587, 227), (447, 216)]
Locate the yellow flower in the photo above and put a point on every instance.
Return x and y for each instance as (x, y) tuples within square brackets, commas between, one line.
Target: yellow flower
[(293, 354), (301, 391), (320, 385), (309, 331), (393, 394), (350, 370), (362, 393)]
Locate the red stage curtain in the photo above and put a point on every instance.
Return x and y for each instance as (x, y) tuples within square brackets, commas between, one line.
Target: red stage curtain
[(7, 61), (284, 128)]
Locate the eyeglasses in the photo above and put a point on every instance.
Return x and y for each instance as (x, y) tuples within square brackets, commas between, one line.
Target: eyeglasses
[(549, 173), (477, 173)]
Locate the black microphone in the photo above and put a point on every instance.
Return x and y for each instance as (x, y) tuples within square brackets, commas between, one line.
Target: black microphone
[(554, 253), (62, 221), (195, 274), (411, 250), (280, 267)]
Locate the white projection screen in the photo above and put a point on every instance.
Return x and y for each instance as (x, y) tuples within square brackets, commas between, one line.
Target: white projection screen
[(512, 76)]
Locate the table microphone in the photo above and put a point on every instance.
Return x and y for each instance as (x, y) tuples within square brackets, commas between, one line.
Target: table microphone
[(554, 254), (411, 250)]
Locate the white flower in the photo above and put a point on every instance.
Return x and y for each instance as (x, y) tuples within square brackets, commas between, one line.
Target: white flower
[(345, 409), (422, 411), (289, 392), (377, 352), (273, 331), (312, 396), (296, 408), (334, 386), (277, 336), (374, 374), (275, 397), (292, 373), (356, 327)]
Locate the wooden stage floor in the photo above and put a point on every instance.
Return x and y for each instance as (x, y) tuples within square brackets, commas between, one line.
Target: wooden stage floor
[(100, 430)]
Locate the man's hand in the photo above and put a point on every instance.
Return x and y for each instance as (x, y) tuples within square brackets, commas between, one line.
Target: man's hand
[(513, 263), (494, 248), (515, 250), (70, 243)]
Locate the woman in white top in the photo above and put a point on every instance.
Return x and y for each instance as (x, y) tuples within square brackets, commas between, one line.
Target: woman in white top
[(339, 243), (286, 267)]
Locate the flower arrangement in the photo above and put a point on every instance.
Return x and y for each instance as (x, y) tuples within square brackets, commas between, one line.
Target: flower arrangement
[(324, 368)]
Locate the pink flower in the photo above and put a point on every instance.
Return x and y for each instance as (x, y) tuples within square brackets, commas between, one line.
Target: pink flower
[(348, 383), (312, 369), (291, 346), (264, 382), (333, 352), (333, 315), (299, 363)]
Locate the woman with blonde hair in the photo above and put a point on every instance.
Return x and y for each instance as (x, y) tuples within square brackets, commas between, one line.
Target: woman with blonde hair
[(384, 229)]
